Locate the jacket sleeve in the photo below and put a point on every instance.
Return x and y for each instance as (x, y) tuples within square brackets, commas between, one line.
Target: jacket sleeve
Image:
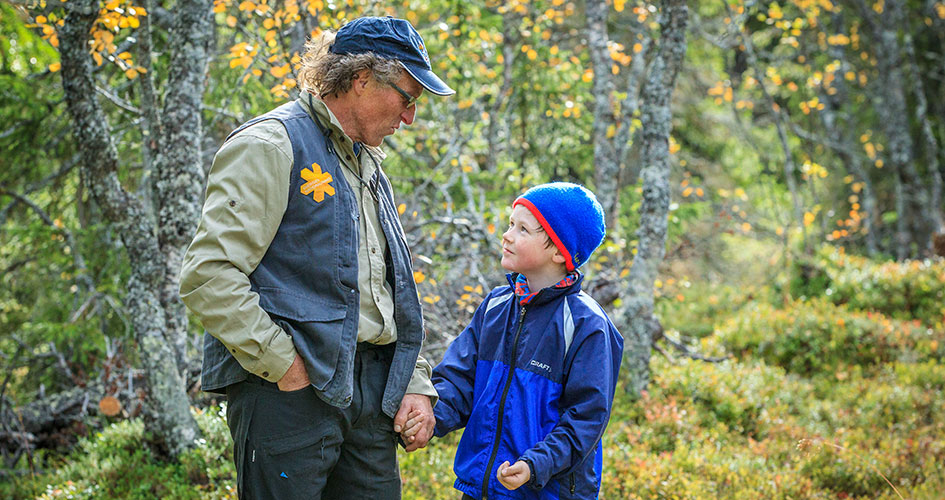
[(586, 399), (455, 377), (247, 195)]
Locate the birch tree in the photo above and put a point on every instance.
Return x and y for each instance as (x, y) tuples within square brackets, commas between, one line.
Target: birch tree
[(153, 235), (639, 322)]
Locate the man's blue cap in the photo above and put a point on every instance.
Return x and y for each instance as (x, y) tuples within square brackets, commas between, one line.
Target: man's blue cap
[(394, 39)]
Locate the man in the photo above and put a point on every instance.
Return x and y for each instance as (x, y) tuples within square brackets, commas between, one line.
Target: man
[(300, 273)]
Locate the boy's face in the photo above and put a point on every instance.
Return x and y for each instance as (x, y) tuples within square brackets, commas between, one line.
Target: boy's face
[(525, 249)]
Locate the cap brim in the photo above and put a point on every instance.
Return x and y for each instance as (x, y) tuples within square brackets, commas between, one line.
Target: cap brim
[(428, 80)]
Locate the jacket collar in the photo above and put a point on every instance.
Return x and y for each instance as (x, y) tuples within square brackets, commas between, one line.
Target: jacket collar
[(548, 294)]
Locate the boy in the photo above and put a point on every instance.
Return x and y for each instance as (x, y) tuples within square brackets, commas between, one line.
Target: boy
[(532, 378)]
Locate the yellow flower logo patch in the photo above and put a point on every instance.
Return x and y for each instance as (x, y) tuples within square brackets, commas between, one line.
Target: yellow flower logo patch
[(317, 184)]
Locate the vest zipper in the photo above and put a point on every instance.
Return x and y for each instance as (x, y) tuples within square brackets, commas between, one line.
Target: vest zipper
[(505, 392), (571, 476)]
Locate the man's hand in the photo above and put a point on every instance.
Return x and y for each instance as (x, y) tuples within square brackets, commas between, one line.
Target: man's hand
[(513, 476), (296, 377), (415, 421)]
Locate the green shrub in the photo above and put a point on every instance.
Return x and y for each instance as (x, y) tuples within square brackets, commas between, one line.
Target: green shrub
[(744, 399), (902, 290), (695, 310), (815, 337), (115, 463)]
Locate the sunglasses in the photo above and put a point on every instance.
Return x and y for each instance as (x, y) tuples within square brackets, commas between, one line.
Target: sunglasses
[(410, 100)]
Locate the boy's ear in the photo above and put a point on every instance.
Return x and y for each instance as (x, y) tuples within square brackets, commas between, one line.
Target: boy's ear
[(558, 258)]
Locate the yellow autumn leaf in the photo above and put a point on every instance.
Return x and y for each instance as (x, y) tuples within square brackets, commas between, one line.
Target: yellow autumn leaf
[(401, 208), (808, 218), (280, 71), (131, 73), (418, 276), (54, 67)]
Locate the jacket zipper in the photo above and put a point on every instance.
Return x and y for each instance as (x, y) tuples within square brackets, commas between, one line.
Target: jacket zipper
[(505, 392), (571, 476)]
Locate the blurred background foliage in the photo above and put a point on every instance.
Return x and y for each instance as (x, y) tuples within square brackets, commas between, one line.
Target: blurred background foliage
[(802, 239)]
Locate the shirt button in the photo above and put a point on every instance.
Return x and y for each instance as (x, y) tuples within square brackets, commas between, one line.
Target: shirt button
[(265, 374), (347, 157), (373, 250)]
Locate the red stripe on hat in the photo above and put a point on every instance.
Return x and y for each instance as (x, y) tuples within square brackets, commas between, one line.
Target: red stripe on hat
[(568, 262)]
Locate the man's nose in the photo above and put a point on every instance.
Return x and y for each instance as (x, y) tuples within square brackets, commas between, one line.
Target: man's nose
[(409, 114)]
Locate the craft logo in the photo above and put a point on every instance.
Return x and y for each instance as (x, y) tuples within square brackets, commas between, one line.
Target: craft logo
[(540, 366)]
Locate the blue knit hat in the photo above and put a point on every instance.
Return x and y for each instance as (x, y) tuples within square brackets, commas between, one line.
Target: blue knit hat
[(572, 217)]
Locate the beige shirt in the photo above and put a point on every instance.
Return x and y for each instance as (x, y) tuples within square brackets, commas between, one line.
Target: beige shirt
[(231, 240)]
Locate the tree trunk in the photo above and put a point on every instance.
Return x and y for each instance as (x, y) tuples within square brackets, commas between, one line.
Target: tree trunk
[(637, 318), (933, 209), (497, 131), (839, 133), (179, 171), (606, 162), (780, 126), (168, 414), (912, 224)]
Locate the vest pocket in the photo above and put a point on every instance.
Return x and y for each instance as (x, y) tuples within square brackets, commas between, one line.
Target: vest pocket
[(316, 328)]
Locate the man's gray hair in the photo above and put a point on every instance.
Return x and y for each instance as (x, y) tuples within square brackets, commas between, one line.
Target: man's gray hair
[(324, 73)]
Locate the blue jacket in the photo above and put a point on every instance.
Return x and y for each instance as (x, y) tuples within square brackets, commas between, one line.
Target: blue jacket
[(308, 279), (532, 383)]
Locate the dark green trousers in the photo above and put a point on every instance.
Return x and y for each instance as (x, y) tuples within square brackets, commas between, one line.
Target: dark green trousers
[(293, 445)]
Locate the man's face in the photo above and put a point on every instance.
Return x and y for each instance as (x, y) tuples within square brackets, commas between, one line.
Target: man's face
[(382, 108)]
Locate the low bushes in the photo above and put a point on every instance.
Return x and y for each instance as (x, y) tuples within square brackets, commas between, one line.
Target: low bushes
[(902, 290), (816, 337)]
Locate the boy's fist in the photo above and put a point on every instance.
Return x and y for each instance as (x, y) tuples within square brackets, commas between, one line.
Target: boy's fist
[(513, 476)]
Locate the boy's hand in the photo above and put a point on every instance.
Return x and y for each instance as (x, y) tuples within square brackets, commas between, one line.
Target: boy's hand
[(513, 476), (412, 426), (417, 410)]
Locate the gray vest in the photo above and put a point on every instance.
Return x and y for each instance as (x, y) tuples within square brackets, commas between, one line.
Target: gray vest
[(308, 279)]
